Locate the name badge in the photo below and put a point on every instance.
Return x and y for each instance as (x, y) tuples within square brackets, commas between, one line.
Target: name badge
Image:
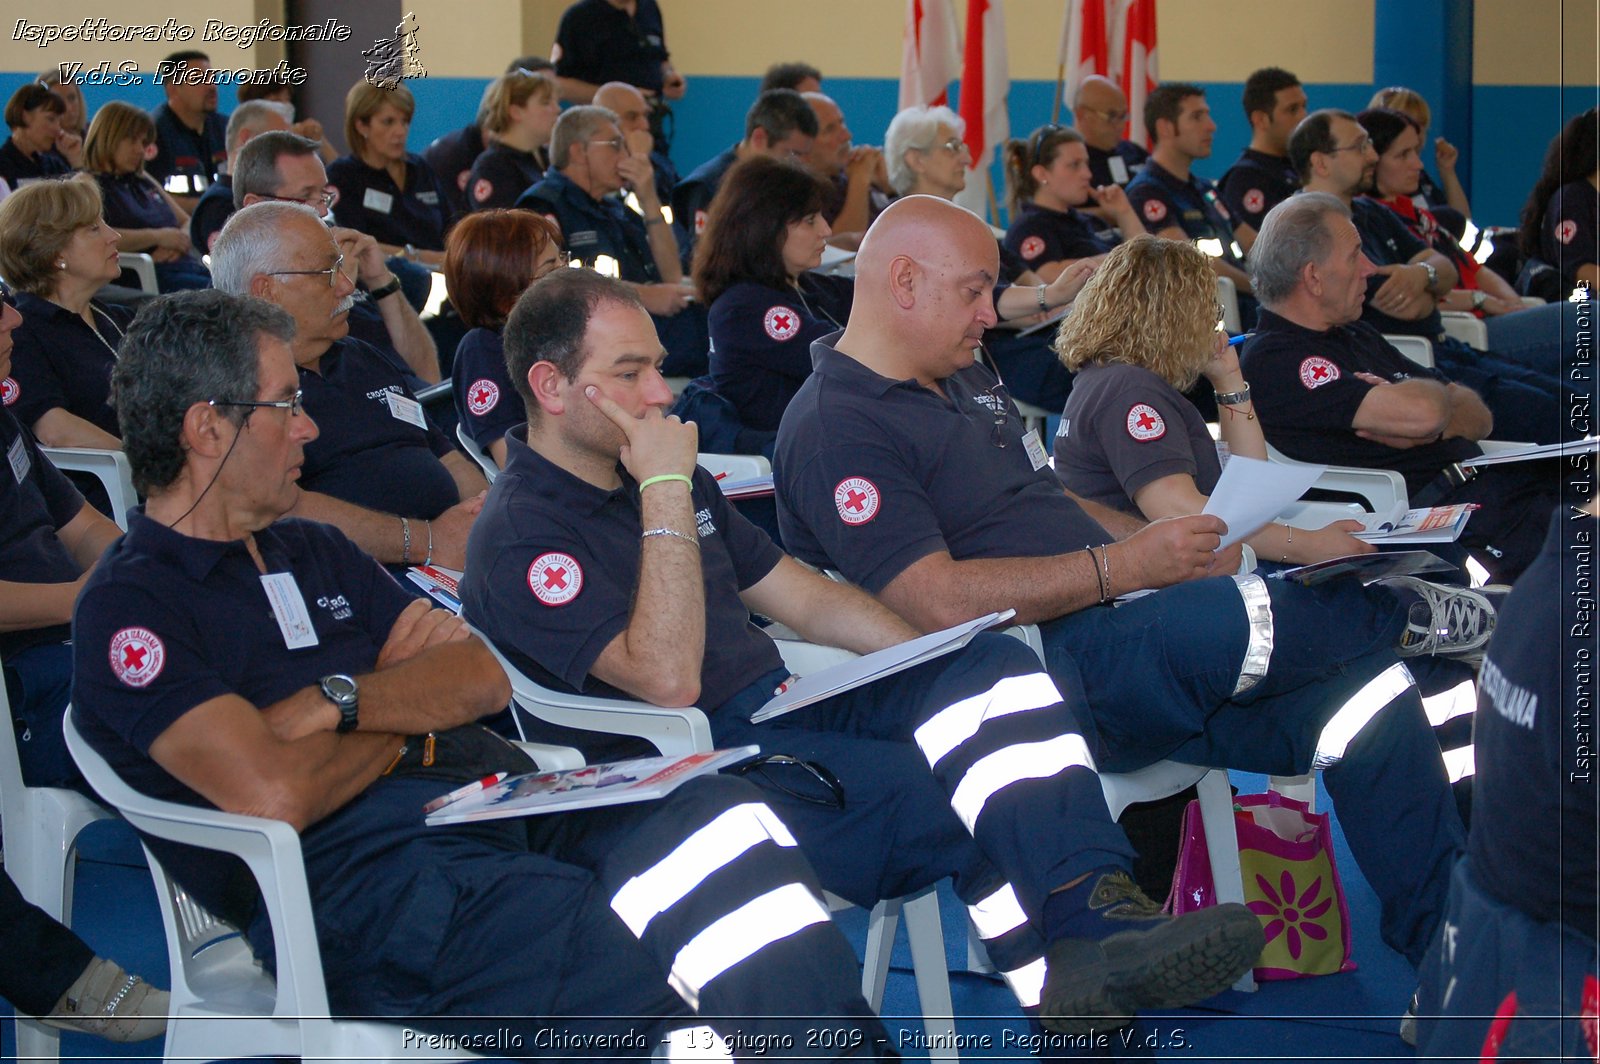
[(430, 198), (406, 409), (373, 200), (20, 462), (289, 609), (1035, 449), (1223, 453), (1119, 170)]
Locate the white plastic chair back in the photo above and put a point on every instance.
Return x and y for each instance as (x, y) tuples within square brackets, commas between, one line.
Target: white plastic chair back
[(109, 467), (1418, 349), (477, 454)]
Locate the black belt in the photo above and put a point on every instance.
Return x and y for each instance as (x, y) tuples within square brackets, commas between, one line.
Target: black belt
[(1449, 479)]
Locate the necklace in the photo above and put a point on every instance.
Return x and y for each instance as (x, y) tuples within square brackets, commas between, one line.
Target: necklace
[(101, 315)]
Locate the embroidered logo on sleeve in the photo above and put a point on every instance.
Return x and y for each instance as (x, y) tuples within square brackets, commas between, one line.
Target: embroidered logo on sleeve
[(1154, 210), (1254, 201), (10, 391), (482, 189), (781, 323), (483, 396), (555, 579), (856, 499), (1032, 247), (137, 656), (1566, 231), (1316, 371), (1144, 423), (699, 222)]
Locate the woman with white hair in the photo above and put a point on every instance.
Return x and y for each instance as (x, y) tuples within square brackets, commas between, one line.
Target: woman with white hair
[(926, 153)]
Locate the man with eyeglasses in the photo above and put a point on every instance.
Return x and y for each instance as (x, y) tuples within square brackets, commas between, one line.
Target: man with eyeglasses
[(1262, 177), (229, 658), (1100, 113), (779, 124), (901, 464), (606, 562), (216, 203), (858, 173), (633, 118), (380, 470), (590, 163), (1333, 154)]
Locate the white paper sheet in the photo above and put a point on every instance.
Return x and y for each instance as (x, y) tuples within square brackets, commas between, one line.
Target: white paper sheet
[(1252, 492)]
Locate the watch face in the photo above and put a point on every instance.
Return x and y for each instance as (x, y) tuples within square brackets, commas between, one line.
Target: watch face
[(339, 687)]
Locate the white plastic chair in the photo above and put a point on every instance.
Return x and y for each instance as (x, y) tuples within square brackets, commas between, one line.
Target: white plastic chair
[(223, 1004), (143, 267), (1418, 349), (40, 828), (1468, 328), (1383, 489), (685, 731), (109, 467), (477, 454)]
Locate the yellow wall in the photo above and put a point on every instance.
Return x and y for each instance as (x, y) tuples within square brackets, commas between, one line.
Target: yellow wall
[(26, 55), (1516, 42)]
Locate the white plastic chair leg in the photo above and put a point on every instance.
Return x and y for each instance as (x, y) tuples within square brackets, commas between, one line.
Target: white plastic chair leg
[(925, 933), (1222, 841)]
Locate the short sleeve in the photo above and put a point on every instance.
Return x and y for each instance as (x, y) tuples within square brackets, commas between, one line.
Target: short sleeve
[(1302, 391), (1154, 205), (1141, 432), (487, 405)]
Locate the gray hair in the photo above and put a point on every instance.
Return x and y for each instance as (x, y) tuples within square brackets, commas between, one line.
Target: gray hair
[(576, 125), (255, 167), (914, 128), (1294, 234), (183, 349), (253, 115), (254, 241)]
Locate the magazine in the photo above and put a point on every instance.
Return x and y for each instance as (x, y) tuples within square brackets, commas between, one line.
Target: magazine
[(444, 585), (1366, 567), (1431, 524)]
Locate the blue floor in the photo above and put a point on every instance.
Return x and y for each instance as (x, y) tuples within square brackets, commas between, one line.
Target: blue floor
[(1352, 1016)]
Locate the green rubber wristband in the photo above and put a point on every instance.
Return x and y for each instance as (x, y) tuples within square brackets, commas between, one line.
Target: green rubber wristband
[(663, 478)]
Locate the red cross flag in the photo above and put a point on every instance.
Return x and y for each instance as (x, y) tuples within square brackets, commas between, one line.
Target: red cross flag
[(985, 84), (928, 53), (1085, 49), (1134, 57)]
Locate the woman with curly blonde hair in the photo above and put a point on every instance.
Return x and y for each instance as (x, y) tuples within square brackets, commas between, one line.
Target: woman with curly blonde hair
[(1145, 329)]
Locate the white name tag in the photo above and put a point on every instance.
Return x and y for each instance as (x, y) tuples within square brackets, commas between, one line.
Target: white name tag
[(1223, 453), (20, 462), (406, 409), (289, 608), (1035, 449), (374, 200), (1119, 170)]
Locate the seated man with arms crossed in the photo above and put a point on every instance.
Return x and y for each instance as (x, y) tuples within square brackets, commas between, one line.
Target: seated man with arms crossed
[(226, 658), (606, 562)]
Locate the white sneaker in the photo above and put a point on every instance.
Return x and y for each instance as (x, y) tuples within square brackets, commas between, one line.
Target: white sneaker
[(1449, 622)]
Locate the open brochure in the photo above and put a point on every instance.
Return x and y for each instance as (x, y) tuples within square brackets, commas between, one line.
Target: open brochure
[(1431, 524), (746, 487), (611, 783), (1532, 451), (443, 585), (1366, 567), (875, 666)]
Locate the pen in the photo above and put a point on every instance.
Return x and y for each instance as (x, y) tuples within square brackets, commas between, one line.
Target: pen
[(1235, 341), (461, 792)]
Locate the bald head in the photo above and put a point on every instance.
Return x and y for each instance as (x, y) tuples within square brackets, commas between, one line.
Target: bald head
[(627, 102), (1100, 109)]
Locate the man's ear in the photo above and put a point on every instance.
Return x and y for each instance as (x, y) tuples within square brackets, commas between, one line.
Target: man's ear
[(546, 383), (1311, 278), (261, 286), (904, 276), (206, 432)]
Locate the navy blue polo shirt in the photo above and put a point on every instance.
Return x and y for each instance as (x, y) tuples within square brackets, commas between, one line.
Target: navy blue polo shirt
[(874, 474), (1256, 183), (1569, 236), (1163, 200), (450, 157), (1306, 395), (487, 404), (133, 201), (761, 341), (365, 454), (167, 622), (500, 174), (1532, 843), (1131, 159), (1039, 235), (18, 168), (839, 186), (1123, 428), (592, 227), (181, 150), (691, 199), (1388, 241), (598, 43), (553, 566), (370, 201), (211, 213), (58, 361), (36, 500)]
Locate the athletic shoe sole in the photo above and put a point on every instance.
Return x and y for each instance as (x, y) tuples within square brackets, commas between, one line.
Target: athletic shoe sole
[(1100, 985)]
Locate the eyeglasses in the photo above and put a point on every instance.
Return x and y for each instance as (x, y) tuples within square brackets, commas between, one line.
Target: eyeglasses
[(1222, 318), (615, 143), (325, 198), (293, 404), (822, 779), (955, 146), (1001, 408), (333, 272), (7, 297), (1109, 116), (1361, 145)]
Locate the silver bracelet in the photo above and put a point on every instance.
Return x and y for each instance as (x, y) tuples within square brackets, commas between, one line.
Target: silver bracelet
[(1043, 306), (1234, 398), (405, 548), (429, 559), (650, 532)]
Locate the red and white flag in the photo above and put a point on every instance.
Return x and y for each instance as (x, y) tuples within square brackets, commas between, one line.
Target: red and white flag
[(1085, 47), (928, 61), (985, 86), (1136, 72)]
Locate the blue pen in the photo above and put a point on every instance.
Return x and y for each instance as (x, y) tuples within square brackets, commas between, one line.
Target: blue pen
[(1235, 341)]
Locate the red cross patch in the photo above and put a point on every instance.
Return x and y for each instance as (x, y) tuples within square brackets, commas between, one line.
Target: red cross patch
[(483, 396), (1144, 423), (1154, 210), (856, 499), (1315, 372), (1255, 201), (1032, 248), (1566, 231), (781, 323), (10, 390), (137, 656), (699, 222), (555, 579), (482, 189)]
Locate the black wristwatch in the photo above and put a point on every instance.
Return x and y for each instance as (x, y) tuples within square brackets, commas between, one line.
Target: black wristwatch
[(384, 291), (345, 694)]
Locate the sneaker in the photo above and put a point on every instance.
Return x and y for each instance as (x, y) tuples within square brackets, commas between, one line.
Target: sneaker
[(107, 1001), (1450, 622), (1408, 1023), (1148, 960)]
